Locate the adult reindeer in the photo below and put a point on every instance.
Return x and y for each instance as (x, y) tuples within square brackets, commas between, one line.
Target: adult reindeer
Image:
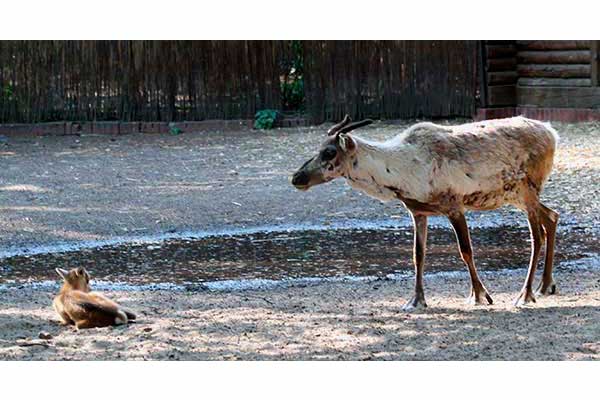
[(447, 170)]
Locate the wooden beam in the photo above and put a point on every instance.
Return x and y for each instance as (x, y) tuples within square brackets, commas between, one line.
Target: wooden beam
[(501, 64), (554, 82), (502, 78), (501, 95), (558, 97), (560, 114), (494, 113), (554, 57), (554, 70), (501, 50), (481, 75), (554, 44), (595, 62)]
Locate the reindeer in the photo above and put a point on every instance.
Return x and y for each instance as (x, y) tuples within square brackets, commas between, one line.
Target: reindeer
[(447, 170), (77, 305)]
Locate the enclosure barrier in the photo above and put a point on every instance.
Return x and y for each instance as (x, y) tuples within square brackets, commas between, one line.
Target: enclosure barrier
[(45, 81), (543, 79), (94, 82)]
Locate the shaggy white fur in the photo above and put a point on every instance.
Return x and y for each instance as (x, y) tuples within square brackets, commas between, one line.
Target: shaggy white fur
[(427, 160)]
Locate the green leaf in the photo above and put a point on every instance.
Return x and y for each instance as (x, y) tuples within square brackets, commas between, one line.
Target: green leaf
[(265, 119)]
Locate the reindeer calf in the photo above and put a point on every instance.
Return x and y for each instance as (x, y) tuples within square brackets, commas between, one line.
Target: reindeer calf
[(447, 170), (77, 305)]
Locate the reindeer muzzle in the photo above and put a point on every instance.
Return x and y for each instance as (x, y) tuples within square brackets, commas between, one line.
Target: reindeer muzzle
[(300, 180)]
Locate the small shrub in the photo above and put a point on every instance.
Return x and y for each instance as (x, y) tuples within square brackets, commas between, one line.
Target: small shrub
[(174, 130), (7, 92), (265, 119)]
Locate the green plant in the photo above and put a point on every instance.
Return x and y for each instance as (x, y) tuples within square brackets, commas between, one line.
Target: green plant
[(265, 119), (292, 80), (174, 130), (7, 91)]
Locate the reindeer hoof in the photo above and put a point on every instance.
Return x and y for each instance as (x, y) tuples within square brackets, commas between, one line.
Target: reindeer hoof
[(547, 289), (481, 297), (416, 303), (524, 298)]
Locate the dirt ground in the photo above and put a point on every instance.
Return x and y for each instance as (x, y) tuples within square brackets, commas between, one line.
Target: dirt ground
[(328, 321), (98, 187), (75, 188)]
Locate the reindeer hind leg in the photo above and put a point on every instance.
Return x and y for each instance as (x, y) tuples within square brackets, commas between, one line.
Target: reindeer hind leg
[(535, 227), (549, 220)]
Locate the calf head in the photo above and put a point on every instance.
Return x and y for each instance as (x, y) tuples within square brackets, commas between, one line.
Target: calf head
[(76, 279), (330, 161)]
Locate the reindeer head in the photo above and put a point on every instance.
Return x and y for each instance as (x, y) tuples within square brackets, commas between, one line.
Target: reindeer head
[(330, 162), (76, 279)]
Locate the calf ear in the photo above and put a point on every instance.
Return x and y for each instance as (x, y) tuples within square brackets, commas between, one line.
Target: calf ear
[(62, 273), (346, 142)]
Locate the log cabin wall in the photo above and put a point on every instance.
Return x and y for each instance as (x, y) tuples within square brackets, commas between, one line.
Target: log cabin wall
[(554, 80), (558, 74), (500, 73)]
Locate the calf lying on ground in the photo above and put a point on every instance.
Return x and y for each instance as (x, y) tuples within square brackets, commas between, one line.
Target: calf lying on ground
[(76, 304), (446, 170)]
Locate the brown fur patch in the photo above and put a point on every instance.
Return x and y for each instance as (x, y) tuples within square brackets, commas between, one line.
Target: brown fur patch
[(483, 201), (414, 205), (77, 305)]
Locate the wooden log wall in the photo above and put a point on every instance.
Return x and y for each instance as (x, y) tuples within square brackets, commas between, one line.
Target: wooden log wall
[(500, 58), (554, 63), (44, 81), (558, 74), (543, 74)]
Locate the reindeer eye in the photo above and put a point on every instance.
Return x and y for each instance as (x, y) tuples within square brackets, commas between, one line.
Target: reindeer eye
[(329, 153)]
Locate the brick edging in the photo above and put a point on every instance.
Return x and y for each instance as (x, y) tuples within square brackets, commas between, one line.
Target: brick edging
[(119, 127), (543, 114)]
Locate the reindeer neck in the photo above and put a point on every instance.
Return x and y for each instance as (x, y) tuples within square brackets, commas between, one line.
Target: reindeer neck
[(371, 158), (382, 169)]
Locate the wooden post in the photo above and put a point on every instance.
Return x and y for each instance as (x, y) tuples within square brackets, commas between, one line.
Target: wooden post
[(482, 82), (595, 61)]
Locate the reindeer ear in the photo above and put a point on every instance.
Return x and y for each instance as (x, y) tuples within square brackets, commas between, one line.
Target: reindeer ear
[(346, 142), (334, 129), (62, 273)]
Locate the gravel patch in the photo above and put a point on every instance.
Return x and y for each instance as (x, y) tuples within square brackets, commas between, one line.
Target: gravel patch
[(70, 189)]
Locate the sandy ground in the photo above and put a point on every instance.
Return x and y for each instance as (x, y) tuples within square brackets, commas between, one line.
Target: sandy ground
[(71, 189), (328, 321), (98, 187)]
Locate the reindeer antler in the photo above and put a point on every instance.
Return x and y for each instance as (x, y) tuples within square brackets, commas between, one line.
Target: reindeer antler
[(333, 130), (355, 125)]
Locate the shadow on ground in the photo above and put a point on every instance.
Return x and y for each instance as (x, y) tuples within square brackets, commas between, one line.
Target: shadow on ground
[(334, 321)]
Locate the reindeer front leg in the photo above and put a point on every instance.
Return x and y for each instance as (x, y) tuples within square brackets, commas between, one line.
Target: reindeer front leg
[(420, 227), (479, 294)]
